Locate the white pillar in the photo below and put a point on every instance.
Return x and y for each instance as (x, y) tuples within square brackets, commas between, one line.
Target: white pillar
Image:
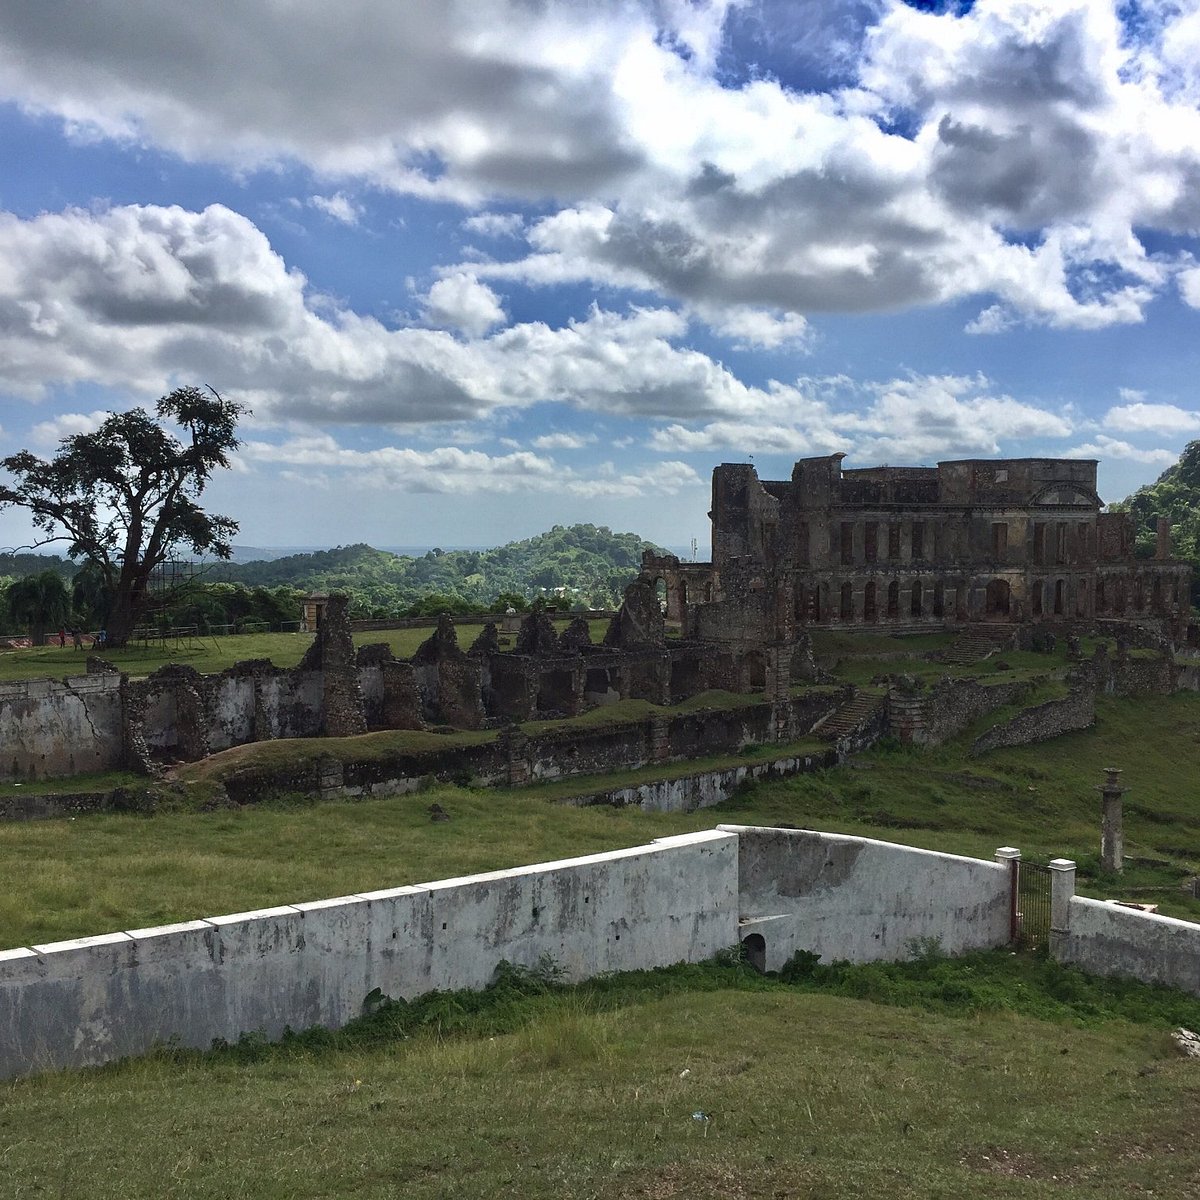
[(1062, 889)]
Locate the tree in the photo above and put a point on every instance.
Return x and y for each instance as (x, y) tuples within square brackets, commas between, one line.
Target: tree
[(41, 602), (124, 497)]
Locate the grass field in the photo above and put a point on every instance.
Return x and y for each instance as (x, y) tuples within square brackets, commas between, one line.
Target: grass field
[(210, 655), (118, 871), (993, 1077)]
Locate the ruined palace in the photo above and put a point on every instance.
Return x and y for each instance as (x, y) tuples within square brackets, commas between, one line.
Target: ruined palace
[(1017, 541)]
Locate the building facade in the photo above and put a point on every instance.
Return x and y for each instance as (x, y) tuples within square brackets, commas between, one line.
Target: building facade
[(976, 540)]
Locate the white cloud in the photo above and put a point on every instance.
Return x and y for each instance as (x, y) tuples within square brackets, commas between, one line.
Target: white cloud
[(339, 207), (1140, 417), (451, 470), (50, 433), (750, 328), (1010, 153), (1188, 282), (495, 225), (462, 302), (563, 441), (1105, 447)]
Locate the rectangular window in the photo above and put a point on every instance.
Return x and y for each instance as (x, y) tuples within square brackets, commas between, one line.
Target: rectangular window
[(1060, 542), (848, 542), (894, 540), (918, 539), (1039, 541), (999, 539), (871, 541)]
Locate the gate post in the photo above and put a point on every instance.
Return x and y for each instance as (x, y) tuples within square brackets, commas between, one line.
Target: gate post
[(1062, 889), (1012, 856)]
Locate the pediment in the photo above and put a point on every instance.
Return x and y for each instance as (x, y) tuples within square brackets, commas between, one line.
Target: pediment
[(1065, 494)]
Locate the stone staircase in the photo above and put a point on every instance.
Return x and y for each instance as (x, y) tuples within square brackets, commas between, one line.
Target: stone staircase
[(972, 646), (850, 716)]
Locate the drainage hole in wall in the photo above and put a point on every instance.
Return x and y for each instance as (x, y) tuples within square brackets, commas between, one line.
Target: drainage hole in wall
[(536, 911), (587, 899), (443, 924)]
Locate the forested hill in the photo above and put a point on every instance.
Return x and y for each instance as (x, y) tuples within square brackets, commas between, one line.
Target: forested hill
[(1175, 494), (590, 562)]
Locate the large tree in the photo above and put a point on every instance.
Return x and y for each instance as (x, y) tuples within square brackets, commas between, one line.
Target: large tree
[(41, 602), (124, 497)]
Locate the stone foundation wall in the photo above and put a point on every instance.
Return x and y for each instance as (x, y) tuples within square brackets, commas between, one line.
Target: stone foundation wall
[(1042, 722)]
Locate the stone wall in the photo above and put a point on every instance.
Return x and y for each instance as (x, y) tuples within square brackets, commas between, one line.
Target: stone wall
[(51, 729), (933, 717), (1042, 722), (93, 1000)]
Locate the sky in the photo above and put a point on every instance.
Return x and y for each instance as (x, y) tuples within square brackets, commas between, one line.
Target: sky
[(479, 267)]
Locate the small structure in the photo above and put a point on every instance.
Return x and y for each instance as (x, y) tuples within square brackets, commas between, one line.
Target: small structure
[(1112, 832), (314, 611)]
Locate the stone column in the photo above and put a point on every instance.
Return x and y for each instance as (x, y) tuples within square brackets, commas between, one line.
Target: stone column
[(660, 739), (515, 745), (1112, 833), (1062, 888), (1162, 547)]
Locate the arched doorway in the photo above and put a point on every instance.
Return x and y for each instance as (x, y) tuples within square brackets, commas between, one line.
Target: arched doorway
[(846, 607), (915, 607), (870, 603), (997, 598), (893, 610), (754, 946)]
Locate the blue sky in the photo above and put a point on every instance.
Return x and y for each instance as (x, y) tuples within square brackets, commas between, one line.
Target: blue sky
[(483, 267)]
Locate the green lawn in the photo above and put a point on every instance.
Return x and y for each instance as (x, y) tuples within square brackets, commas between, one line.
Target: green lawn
[(118, 871), (996, 1078), (210, 655)]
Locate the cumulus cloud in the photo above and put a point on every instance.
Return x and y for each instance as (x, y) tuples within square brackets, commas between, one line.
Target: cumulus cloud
[(918, 418), (339, 207), (1106, 447), (494, 224), (1141, 417), (563, 441), (462, 302), (50, 433), (452, 470), (1012, 151)]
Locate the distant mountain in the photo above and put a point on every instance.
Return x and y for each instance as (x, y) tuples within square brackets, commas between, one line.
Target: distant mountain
[(586, 564)]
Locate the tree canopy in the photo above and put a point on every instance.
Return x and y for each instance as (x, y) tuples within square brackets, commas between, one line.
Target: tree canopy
[(124, 497)]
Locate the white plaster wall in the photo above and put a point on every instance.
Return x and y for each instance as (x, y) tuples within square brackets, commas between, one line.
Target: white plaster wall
[(1108, 939), (93, 1000), (859, 899), (50, 729)]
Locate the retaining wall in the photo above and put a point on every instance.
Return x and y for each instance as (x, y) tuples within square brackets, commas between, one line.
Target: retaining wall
[(92, 1000), (1042, 722), (859, 899), (690, 792)]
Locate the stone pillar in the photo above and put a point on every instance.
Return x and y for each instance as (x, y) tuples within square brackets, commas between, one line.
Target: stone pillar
[(1062, 888), (1112, 832), (660, 739), (1012, 856), (1162, 547), (906, 715), (515, 745), (783, 721)]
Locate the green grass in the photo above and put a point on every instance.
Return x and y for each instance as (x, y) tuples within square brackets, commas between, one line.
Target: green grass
[(212, 655), (120, 871), (994, 1077)]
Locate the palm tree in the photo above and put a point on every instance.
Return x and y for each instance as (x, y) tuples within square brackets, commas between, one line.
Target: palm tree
[(41, 602)]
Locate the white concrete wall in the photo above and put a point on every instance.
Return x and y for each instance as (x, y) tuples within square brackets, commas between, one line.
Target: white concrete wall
[(857, 899), (96, 999), (1108, 939)]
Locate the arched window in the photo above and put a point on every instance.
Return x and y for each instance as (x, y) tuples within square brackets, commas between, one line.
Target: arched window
[(915, 602), (846, 609), (893, 599), (870, 603)]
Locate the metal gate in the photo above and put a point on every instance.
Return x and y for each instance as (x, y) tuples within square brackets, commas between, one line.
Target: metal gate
[(1030, 927)]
